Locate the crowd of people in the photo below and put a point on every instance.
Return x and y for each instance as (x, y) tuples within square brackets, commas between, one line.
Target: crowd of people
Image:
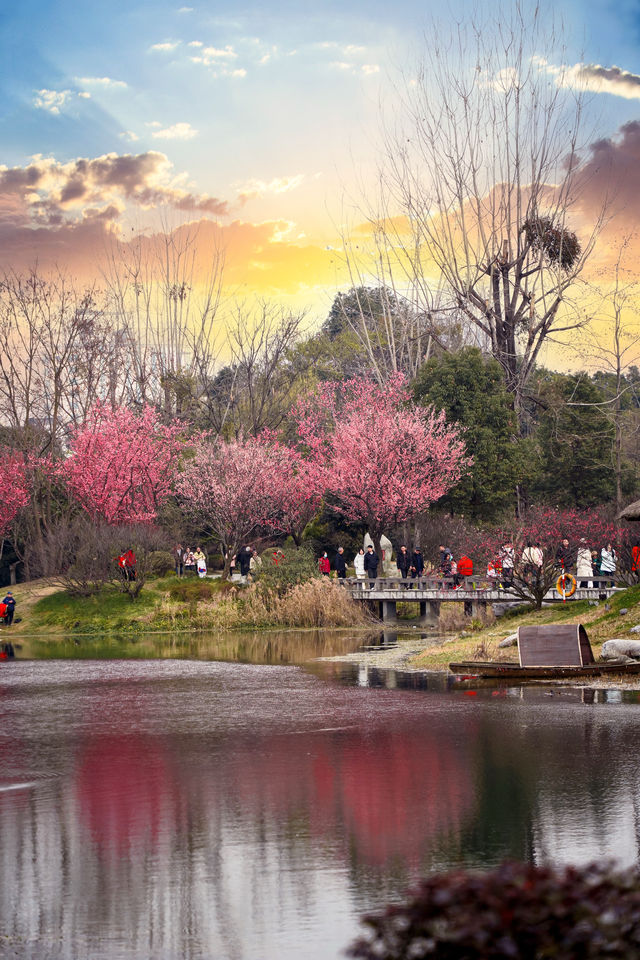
[(587, 563), (410, 564), (187, 561)]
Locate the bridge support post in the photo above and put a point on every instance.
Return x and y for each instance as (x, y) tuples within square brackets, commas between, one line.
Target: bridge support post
[(429, 611), (388, 610), (478, 608)]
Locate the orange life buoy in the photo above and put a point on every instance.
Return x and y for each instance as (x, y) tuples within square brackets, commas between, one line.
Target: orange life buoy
[(566, 585)]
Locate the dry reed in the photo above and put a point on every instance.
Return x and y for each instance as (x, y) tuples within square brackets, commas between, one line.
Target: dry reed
[(315, 603)]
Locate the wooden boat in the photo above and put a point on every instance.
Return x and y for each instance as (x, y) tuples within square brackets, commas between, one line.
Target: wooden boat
[(504, 669)]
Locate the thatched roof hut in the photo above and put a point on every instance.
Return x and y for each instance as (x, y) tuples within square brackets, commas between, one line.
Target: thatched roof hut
[(632, 512)]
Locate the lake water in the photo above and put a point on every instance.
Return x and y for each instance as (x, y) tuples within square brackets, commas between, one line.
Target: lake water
[(188, 809)]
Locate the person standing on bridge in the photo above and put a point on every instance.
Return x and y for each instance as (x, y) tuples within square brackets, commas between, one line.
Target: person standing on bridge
[(371, 561), (403, 562), (465, 568), (417, 563), (358, 563), (442, 555), (340, 564), (608, 562), (584, 570), (508, 560), (564, 560)]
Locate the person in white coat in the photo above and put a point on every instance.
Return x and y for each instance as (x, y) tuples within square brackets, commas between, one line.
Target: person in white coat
[(358, 562), (608, 560), (584, 570)]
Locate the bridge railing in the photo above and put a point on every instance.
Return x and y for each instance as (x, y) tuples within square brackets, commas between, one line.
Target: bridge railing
[(462, 584)]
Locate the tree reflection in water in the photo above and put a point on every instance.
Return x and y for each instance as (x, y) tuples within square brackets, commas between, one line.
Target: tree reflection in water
[(215, 810)]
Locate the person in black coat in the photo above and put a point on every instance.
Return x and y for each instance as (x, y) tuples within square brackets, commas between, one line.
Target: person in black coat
[(340, 564), (244, 559), (403, 561), (371, 564), (417, 563), (10, 601)]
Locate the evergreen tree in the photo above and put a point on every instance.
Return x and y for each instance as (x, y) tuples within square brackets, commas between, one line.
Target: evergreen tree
[(470, 389), (574, 441)]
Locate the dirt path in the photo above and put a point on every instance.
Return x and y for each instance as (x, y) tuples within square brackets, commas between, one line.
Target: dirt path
[(27, 595)]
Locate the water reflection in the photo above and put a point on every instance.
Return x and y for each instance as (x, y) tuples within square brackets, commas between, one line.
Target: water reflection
[(212, 810), (259, 646)]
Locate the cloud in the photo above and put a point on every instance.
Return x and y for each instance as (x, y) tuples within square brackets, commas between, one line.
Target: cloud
[(255, 189), (213, 56), (370, 68), (50, 194), (612, 172), (613, 80), (178, 131), (102, 82), (185, 10), (165, 47), (259, 257), (129, 135), (594, 78), (195, 43), (52, 100)]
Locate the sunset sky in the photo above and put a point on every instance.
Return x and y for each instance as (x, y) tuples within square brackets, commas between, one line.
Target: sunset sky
[(262, 120)]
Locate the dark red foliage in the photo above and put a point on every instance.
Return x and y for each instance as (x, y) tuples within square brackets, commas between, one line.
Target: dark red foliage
[(516, 910)]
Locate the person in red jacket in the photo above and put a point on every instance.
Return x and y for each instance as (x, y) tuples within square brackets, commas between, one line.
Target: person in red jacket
[(465, 567), (324, 565)]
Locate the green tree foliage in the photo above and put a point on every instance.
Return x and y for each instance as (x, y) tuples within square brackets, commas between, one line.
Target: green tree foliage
[(374, 332), (285, 567), (470, 389), (574, 441)]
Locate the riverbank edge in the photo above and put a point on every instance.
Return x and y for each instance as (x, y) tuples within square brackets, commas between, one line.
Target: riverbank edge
[(45, 611), (428, 654)]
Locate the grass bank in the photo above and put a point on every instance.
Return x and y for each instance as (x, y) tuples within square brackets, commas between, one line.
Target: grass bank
[(482, 643), (170, 605)]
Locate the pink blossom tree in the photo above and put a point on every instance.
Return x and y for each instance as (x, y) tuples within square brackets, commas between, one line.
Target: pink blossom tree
[(554, 536), (121, 465), (294, 488), (15, 486), (380, 460), (235, 490)]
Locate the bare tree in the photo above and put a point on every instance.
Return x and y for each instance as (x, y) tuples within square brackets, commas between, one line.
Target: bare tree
[(54, 343), (165, 293), (254, 391), (398, 315), (480, 175), (612, 342)]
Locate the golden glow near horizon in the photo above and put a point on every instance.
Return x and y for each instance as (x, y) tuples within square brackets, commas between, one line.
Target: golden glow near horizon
[(255, 134)]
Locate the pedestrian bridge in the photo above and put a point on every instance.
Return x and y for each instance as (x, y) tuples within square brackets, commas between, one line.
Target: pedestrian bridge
[(474, 592)]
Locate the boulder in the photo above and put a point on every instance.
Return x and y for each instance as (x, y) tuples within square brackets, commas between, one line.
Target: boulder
[(635, 629), (509, 641), (612, 649), (624, 611)]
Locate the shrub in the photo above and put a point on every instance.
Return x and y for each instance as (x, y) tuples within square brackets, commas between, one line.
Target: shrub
[(160, 563), (515, 910), (190, 590), (282, 569)]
